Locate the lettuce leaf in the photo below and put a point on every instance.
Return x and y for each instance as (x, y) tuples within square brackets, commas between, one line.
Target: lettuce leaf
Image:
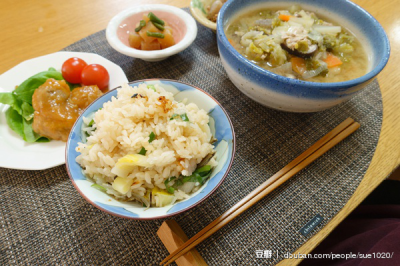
[(30, 135), (27, 111), (10, 99), (25, 91), (20, 114), (23, 127), (14, 121)]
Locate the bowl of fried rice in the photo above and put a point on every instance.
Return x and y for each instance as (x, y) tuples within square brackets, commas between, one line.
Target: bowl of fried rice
[(150, 149)]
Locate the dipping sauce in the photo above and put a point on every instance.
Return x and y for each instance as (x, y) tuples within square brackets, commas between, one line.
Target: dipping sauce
[(57, 107), (298, 44)]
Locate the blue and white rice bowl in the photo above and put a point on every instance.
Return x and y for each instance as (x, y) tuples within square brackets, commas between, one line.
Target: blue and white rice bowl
[(220, 126), (293, 95)]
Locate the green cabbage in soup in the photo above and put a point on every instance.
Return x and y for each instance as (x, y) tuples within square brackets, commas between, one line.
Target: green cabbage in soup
[(298, 44)]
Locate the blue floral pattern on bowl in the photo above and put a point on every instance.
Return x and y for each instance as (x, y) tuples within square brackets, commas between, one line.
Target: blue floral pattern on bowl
[(220, 126)]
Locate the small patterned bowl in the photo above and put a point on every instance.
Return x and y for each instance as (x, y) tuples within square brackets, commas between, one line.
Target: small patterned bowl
[(220, 125), (292, 95)]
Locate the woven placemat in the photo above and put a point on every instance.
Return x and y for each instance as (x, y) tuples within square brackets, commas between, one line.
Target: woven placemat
[(45, 221)]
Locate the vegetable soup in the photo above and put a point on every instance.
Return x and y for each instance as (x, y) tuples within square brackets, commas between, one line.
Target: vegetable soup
[(298, 44)]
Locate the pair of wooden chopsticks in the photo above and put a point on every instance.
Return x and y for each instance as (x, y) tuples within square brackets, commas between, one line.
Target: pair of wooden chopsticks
[(339, 133)]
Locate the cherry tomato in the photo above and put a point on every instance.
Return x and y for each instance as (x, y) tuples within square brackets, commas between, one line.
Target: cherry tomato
[(95, 74), (72, 69)]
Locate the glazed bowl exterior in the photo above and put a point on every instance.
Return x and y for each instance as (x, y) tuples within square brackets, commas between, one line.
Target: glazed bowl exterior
[(282, 93)]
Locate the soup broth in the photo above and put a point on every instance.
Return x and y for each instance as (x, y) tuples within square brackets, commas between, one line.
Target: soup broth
[(298, 44)]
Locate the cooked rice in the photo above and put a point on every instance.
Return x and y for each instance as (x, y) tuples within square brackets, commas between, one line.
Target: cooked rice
[(123, 127)]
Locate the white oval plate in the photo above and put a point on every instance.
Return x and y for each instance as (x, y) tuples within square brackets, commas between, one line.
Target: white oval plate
[(15, 153)]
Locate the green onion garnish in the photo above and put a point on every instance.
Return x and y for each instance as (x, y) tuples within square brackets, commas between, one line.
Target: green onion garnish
[(169, 179), (170, 190), (203, 170), (155, 34), (143, 151), (185, 117), (178, 183), (101, 188), (158, 26), (200, 175), (154, 18), (152, 136), (91, 123), (151, 87), (142, 23), (173, 116), (202, 179)]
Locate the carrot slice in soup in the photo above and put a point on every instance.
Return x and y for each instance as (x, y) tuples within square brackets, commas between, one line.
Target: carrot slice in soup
[(298, 65), (284, 17), (332, 61)]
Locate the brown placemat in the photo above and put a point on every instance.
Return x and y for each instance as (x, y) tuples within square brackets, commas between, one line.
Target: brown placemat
[(45, 221)]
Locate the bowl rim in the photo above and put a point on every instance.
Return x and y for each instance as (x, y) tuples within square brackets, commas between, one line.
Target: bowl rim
[(67, 146), (187, 40), (295, 82), (202, 20)]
